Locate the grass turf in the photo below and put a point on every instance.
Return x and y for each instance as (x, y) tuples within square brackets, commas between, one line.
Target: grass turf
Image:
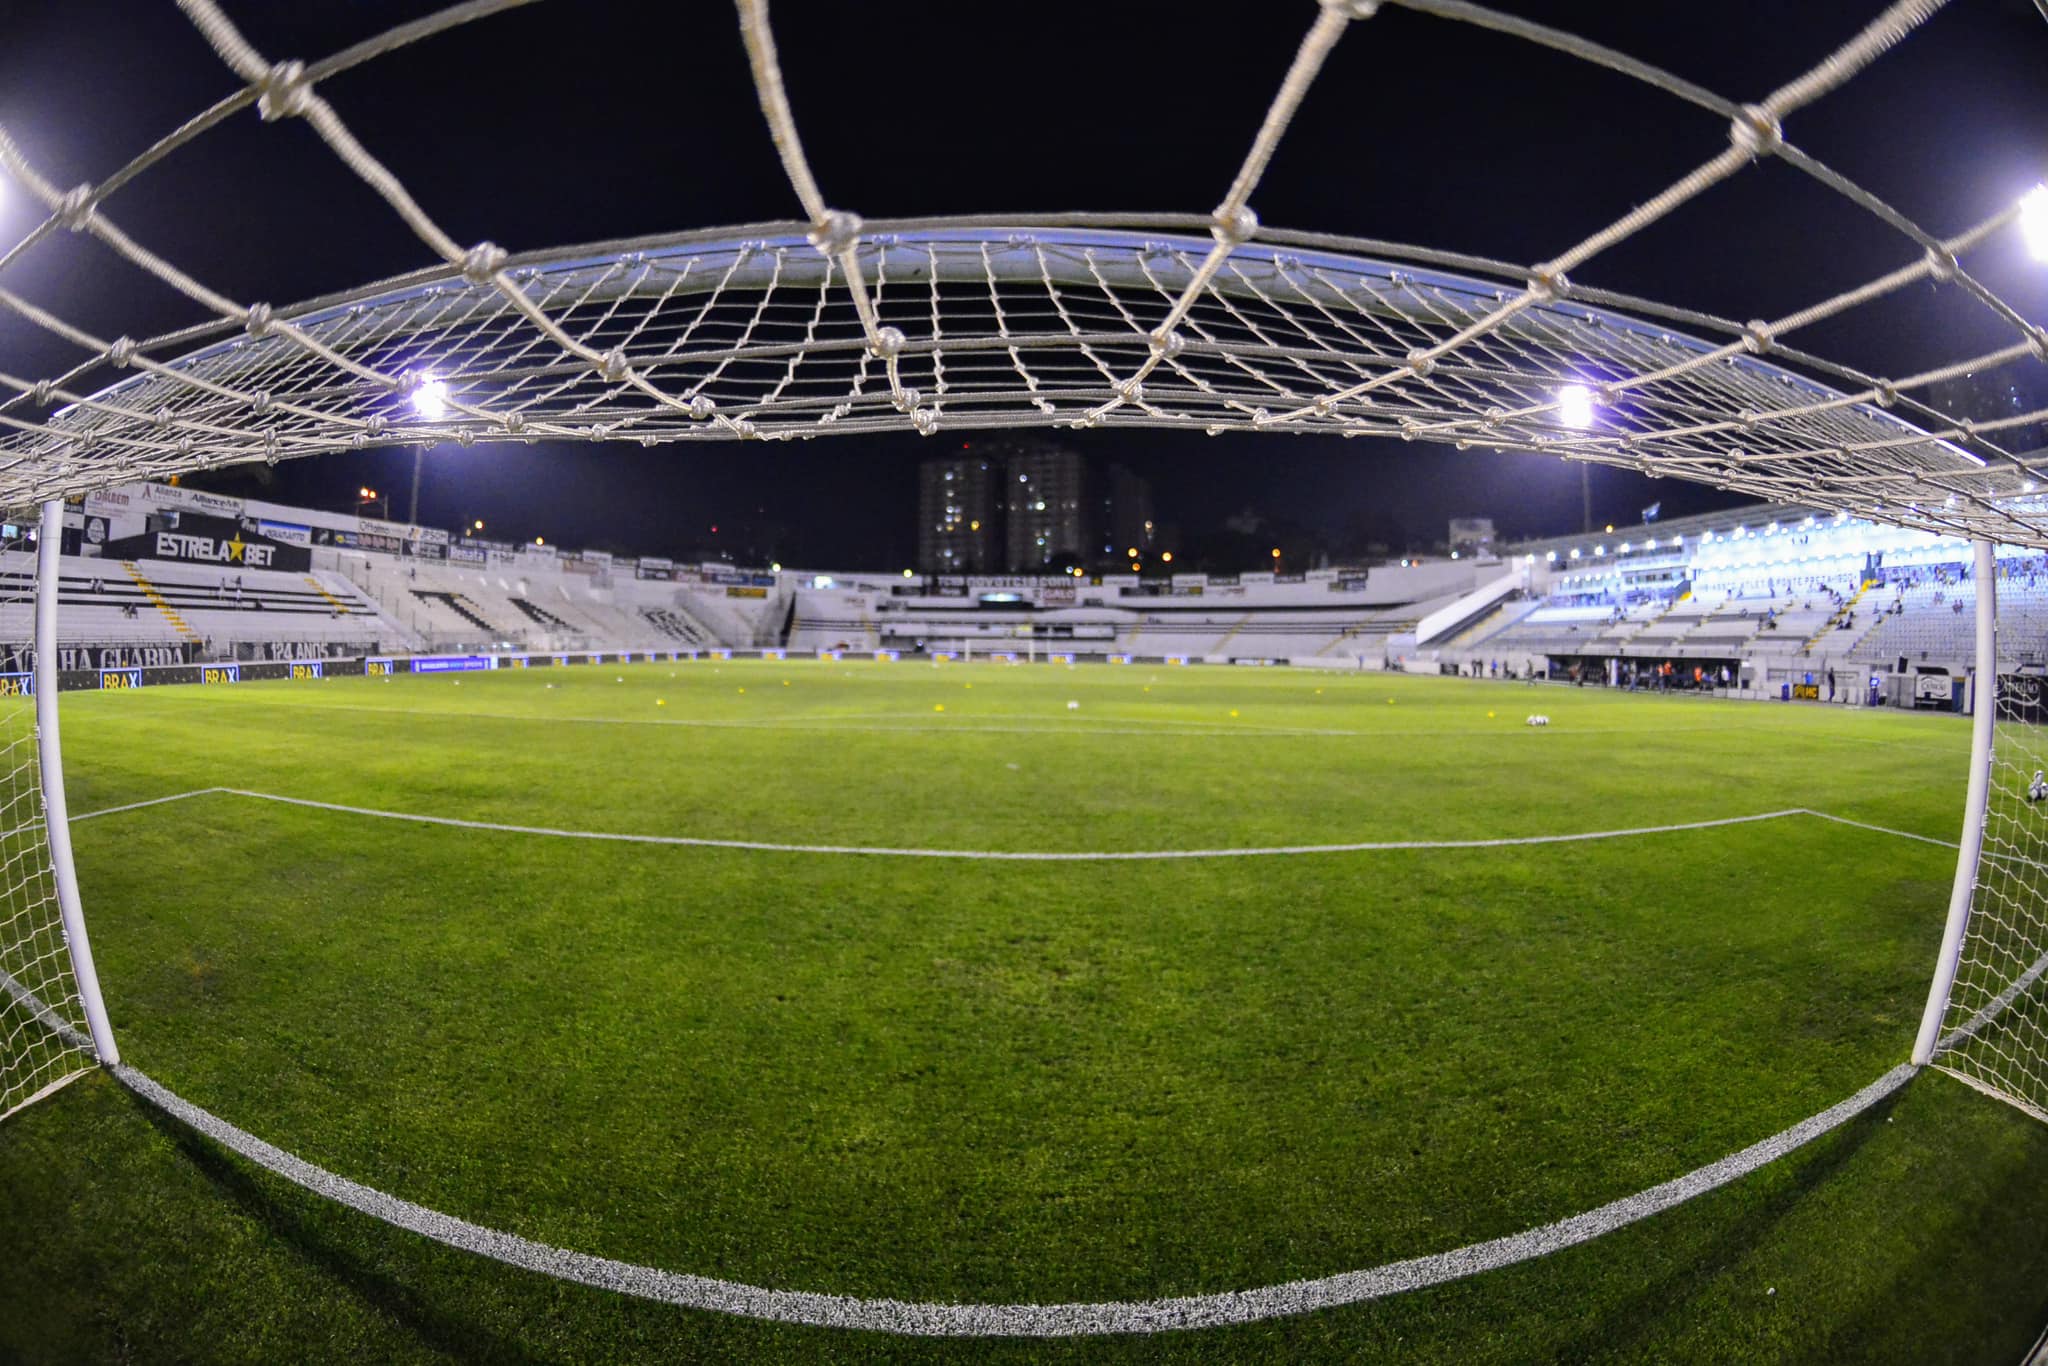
[(1014, 1081)]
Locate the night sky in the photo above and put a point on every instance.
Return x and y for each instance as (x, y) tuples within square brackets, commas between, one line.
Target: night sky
[(563, 123)]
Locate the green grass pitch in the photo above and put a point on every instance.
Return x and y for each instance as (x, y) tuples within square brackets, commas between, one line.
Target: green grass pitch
[(1011, 1081)]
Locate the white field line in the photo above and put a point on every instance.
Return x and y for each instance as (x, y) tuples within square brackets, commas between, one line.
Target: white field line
[(1012, 855), (1009, 1320), (918, 724)]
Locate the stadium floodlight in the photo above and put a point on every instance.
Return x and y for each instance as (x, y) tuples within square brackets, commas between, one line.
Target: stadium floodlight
[(430, 400), (1575, 406), (2034, 222)]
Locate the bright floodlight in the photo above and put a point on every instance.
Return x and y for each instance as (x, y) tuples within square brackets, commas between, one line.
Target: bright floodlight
[(1575, 406), (430, 400), (2034, 221)]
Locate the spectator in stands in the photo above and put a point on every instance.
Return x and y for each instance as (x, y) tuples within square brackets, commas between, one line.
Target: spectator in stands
[(97, 586), (1831, 685)]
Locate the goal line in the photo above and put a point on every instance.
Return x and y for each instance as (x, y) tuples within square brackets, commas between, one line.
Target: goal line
[(924, 1319)]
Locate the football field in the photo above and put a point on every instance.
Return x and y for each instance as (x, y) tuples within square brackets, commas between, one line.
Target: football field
[(814, 976)]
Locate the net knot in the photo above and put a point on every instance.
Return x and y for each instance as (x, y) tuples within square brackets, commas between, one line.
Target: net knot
[(612, 366), (285, 92), (888, 342), (513, 423), (1886, 393), (924, 420), (262, 403), (161, 418), (483, 261), (905, 400), (373, 425), (464, 437), (1232, 226), (270, 448), (41, 393), (701, 407), (1756, 131), (1323, 405), (259, 320), (746, 429), (1420, 363), (836, 232), (75, 209), (1166, 343), (122, 352), (1547, 285), (1131, 391), (1756, 337), (1354, 9), (1941, 265)]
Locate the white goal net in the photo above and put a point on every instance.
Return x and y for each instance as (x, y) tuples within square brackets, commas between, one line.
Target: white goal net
[(43, 1036)]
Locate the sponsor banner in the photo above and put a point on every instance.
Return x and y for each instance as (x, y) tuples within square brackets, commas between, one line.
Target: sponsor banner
[(656, 562), (447, 664), (359, 540), (304, 669), (429, 550), (771, 654), (595, 557), (92, 658), (654, 571), (1064, 657), (828, 654), (379, 667), (1119, 659), (467, 554), (730, 576), (1256, 663), (507, 558), (1176, 659), (575, 566), (944, 654), (112, 680), (1806, 692), (1056, 595), (1348, 585), (887, 656), (718, 654), (17, 685), (95, 531), (207, 540), (220, 673), (285, 533), (737, 591)]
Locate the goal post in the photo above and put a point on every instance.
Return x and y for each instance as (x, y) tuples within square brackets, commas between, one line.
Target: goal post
[(1984, 708), (56, 810), (53, 1022)]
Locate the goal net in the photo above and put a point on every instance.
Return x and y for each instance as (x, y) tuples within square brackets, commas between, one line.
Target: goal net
[(1994, 1033), (43, 1034)]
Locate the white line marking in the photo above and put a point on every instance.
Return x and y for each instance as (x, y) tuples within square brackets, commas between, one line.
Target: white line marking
[(137, 806), (1885, 830), (1017, 855), (1010, 855), (1009, 1320)]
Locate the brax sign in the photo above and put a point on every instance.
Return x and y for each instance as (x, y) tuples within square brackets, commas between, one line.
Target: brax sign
[(180, 545)]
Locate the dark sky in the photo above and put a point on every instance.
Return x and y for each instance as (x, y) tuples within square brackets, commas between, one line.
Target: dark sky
[(566, 122)]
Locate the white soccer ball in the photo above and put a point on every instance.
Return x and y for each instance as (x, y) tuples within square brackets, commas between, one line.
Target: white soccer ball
[(2038, 789), (1073, 706), (1539, 720)]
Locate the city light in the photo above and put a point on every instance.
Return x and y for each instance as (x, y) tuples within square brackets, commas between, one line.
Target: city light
[(2034, 222), (1575, 406), (477, 525), (1276, 552), (1166, 556), (430, 400), (1550, 557), (907, 574)]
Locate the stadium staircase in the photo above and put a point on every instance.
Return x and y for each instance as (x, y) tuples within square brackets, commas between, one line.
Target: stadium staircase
[(1221, 646), (1838, 618), (1649, 622), (156, 600), (341, 608), (541, 615), (459, 605)]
